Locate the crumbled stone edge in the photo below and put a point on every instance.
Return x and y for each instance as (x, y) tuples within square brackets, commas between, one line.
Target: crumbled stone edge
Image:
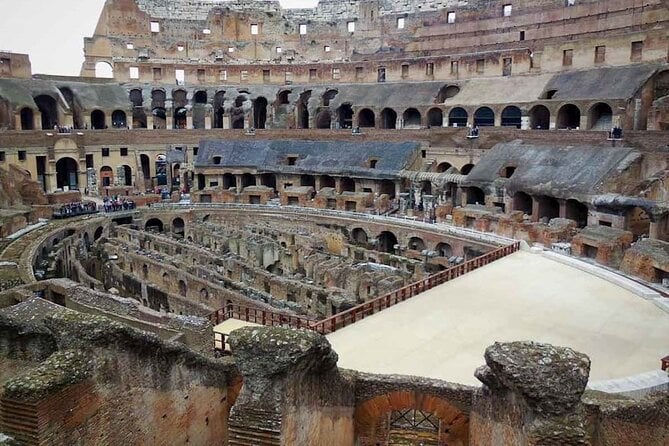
[(62, 369), (86, 330)]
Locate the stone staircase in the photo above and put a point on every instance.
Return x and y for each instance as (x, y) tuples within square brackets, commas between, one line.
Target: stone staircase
[(254, 427)]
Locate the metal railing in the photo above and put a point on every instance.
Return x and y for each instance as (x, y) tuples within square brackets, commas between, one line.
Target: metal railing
[(348, 317), (259, 316)]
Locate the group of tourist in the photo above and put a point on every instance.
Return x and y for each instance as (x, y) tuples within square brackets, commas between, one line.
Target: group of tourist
[(474, 131), (75, 209), (116, 204), (616, 133), (63, 128)]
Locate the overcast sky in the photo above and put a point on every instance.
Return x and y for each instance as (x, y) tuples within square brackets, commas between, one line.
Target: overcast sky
[(52, 31)]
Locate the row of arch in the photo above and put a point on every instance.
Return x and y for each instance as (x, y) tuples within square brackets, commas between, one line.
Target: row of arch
[(388, 242), (568, 116), (48, 110)]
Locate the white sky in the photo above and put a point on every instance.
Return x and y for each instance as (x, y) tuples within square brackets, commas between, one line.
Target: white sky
[(52, 31)]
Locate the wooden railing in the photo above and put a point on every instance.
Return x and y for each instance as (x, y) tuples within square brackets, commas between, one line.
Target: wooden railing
[(259, 316), (348, 317)]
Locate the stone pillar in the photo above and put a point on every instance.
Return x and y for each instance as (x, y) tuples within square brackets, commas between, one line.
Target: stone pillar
[(189, 120), (238, 179), (563, 208), (17, 121), (149, 121), (37, 118), (398, 188), (293, 391), (552, 122), (226, 122), (108, 120), (338, 185), (532, 394), (498, 119), (444, 120), (169, 122), (535, 209), (207, 122), (68, 121), (583, 123)]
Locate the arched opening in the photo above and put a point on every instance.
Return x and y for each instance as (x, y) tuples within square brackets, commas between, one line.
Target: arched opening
[(387, 187), (49, 110), (161, 170), (447, 92), (104, 70), (204, 294), (359, 236), (27, 119), (179, 98), (548, 208), (98, 233), (260, 113), (426, 187), (410, 418), (458, 117), (638, 222), (366, 118), (484, 117), (201, 181), (282, 97), (180, 118), (435, 117), (178, 228), (219, 109), (159, 118), (329, 96), (511, 117), (308, 180), (327, 181), (416, 244), (200, 97), (443, 167), (388, 118), (303, 110), (146, 166), (466, 169), (248, 180), (522, 202), (145, 271), (98, 120), (444, 250), (569, 117), (229, 181), (347, 184), (106, 176), (475, 195), (540, 117), (154, 225), (127, 175), (67, 174), (324, 119), (119, 120), (75, 107), (412, 119), (600, 116), (268, 180), (183, 289), (345, 116), (387, 242), (577, 211), (138, 113)]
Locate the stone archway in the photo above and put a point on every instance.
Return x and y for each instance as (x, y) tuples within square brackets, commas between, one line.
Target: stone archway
[(410, 417)]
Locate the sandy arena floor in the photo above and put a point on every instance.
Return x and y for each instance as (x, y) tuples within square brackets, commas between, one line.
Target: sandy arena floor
[(444, 332)]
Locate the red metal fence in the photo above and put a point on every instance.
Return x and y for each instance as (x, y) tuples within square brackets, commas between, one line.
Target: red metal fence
[(348, 317), (259, 316)]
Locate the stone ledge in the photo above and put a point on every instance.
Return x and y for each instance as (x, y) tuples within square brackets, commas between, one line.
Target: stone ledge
[(604, 274)]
